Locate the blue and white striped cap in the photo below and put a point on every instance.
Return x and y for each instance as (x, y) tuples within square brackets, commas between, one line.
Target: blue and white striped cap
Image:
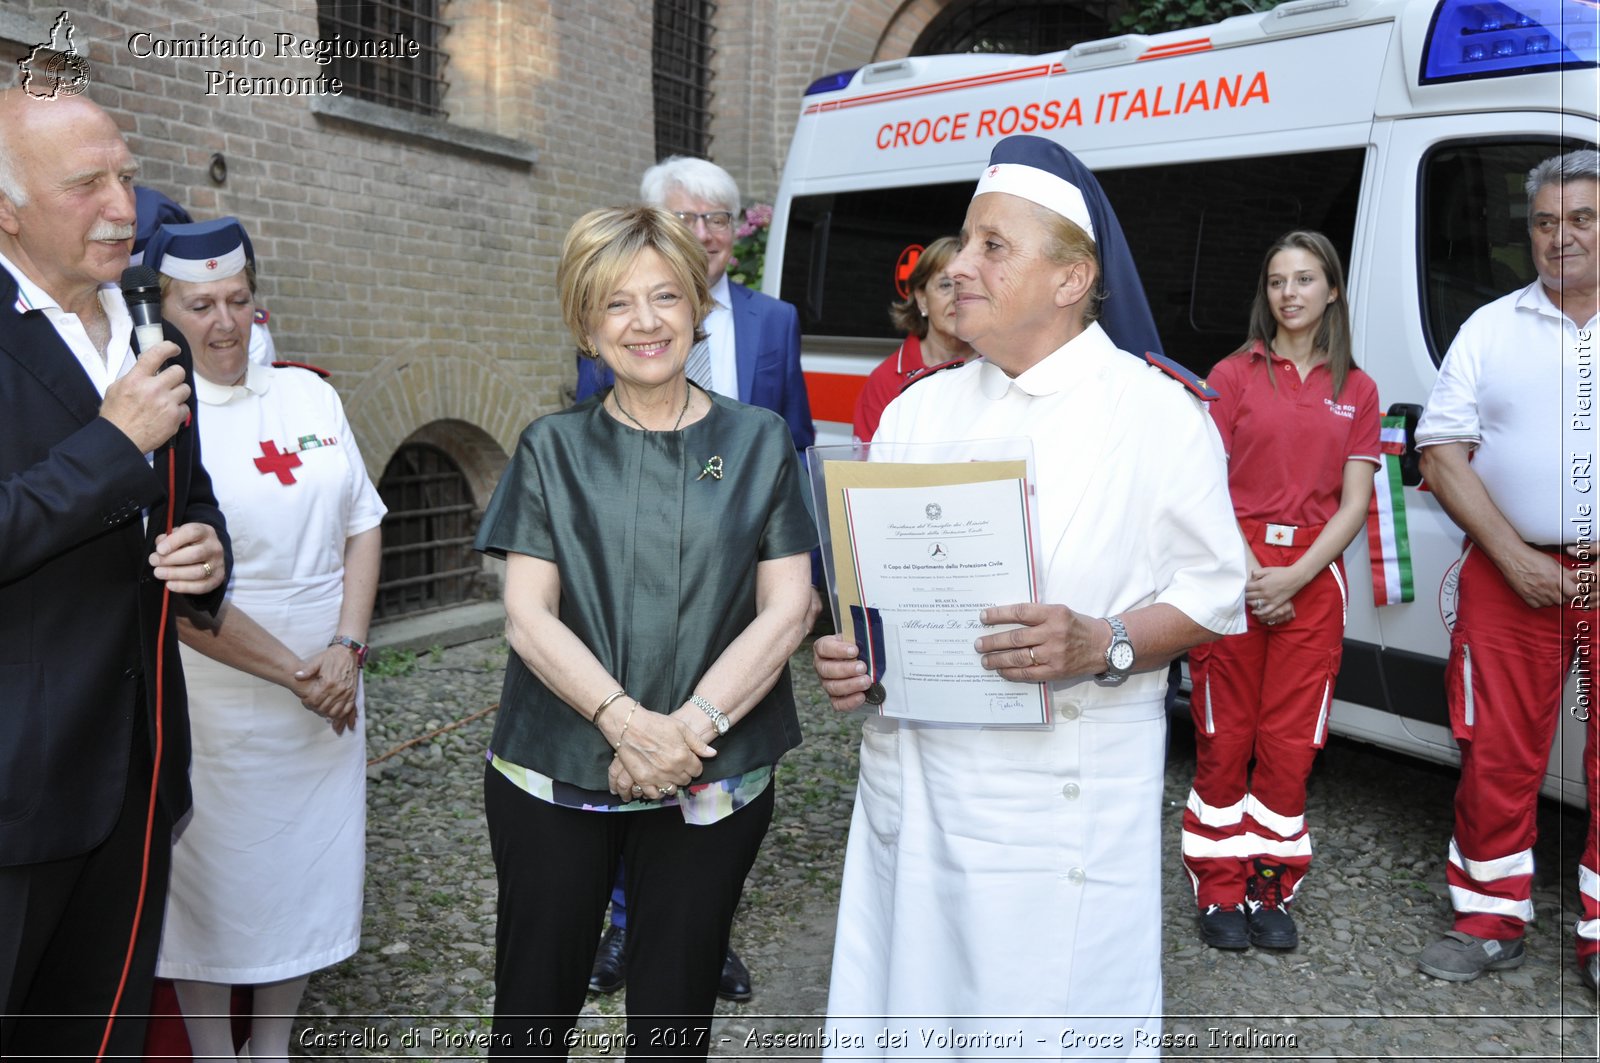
[(200, 251), (1039, 171)]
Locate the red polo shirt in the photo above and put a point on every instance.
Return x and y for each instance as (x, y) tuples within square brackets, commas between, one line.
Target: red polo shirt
[(1287, 445)]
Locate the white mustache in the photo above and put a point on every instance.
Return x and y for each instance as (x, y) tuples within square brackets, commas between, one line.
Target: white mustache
[(107, 231)]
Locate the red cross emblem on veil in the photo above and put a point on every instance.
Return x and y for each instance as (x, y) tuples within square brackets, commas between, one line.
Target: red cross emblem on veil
[(992, 171), (211, 264), (272, 463), (1277, 535)]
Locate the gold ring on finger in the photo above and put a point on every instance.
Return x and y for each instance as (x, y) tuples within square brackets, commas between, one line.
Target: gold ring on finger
[(1031, 657), (205, 566)]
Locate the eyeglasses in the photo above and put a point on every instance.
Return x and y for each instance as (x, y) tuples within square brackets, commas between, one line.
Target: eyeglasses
[(717, 220)]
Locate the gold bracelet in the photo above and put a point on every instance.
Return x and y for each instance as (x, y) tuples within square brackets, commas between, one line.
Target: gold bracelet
[(624, 732), (606, 704)]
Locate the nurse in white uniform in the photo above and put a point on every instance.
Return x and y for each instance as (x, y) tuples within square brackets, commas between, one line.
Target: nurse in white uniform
[(1001, 893), (267, 873)]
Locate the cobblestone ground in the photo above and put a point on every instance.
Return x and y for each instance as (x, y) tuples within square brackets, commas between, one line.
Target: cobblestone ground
[(421, 985)]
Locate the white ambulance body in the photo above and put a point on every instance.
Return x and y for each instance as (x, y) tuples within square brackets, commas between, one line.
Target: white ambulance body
[(1402, 130)]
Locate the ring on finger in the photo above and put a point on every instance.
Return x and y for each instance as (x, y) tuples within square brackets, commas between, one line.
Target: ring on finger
[(205, 566), (638, 789), (668, 790), (1031, 656)]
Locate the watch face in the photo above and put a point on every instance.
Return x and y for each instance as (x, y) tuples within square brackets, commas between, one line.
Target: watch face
[(1122, 656)]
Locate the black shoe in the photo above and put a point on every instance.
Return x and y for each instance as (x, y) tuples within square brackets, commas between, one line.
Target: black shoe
[(1224, 928), (1271, 925), (735, 984), (610, 969), (1273, 928)]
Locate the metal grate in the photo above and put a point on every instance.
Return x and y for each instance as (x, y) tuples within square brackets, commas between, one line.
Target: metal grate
[(399, 81), (428, 560), (681, 74), (1022, 27)]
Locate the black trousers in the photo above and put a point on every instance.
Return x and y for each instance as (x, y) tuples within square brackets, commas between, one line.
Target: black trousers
[(556, 867), (64, 931)]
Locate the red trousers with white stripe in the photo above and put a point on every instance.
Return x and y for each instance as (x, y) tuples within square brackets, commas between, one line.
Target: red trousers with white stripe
[(1263, 694), (1508, 663)]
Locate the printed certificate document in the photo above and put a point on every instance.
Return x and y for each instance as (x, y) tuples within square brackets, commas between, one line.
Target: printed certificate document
[(918, 549)]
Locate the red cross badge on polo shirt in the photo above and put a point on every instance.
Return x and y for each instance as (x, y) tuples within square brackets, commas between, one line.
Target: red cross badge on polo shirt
[(272, 463)]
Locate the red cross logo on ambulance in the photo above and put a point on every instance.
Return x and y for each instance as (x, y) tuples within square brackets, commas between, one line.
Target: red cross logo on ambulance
[(903, 267)]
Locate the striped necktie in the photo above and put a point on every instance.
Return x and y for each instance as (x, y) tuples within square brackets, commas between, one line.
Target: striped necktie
[(698, 367)]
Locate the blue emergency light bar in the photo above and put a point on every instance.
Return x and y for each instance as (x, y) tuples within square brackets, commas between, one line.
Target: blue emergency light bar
[(831, 82), (1471, 39)]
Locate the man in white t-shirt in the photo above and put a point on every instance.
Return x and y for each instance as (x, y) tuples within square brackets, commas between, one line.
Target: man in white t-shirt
[(1507, 447)]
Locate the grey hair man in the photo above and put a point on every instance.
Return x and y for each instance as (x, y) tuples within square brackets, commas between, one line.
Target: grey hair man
[(1507, 442)]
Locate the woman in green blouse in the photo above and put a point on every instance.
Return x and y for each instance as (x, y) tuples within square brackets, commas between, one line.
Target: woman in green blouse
[(657, 580)]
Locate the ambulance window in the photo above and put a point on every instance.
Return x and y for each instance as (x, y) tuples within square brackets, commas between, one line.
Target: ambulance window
[(1474, 228), (842, 250), (1198, 232)]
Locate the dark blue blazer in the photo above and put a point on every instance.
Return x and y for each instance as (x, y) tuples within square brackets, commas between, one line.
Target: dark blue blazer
[(766, 350), (80, 608)]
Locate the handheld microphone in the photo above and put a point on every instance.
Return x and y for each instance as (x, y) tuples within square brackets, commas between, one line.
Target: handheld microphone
[(141, 289)]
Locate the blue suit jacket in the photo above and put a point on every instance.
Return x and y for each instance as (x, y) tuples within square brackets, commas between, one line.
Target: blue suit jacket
[(766, 346)]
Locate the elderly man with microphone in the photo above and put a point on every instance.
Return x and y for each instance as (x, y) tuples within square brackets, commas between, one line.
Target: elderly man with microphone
[(110, 526)]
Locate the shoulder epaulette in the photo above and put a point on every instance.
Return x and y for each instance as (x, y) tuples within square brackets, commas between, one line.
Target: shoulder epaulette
[(323, 373), (926, 371), (1196, 384)]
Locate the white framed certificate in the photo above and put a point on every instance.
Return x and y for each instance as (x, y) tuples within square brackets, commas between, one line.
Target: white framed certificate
[(918, 539)]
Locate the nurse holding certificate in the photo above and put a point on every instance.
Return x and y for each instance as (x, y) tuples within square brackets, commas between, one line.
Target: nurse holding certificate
[(1010, 877)]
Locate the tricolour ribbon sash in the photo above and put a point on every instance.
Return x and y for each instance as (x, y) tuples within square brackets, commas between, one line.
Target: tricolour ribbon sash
[(1387, 540)]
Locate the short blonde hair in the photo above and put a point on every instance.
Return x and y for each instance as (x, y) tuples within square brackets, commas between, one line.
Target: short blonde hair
[(603, 245)]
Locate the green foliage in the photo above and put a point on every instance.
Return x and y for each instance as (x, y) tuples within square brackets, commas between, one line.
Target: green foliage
[(391, 664), (1159, 16)]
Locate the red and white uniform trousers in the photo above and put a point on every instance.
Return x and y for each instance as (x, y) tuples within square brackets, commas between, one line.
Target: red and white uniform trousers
[(1263, 695), (1508, 665)]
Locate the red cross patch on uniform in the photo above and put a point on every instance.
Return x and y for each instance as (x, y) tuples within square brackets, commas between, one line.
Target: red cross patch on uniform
[(272, 463)]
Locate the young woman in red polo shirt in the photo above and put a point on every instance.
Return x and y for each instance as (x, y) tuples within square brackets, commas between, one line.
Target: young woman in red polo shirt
[(1299, 423)]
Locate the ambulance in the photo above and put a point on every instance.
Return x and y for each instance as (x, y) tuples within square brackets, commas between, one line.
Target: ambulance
[(1402, 130)]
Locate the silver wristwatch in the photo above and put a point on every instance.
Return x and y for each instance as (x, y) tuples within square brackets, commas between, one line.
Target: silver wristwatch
[(719, 719), (1119, 655)]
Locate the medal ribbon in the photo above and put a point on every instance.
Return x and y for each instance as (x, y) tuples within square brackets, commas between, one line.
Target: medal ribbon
[(868, 625)]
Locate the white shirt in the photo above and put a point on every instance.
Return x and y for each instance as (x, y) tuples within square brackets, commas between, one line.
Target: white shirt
[(294, 530), (102, 371), (1016, 872), (719, 329), (1518, 385), (1111, 430)]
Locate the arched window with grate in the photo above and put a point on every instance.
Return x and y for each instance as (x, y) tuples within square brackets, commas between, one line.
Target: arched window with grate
[(428, 560), (1022, 27)]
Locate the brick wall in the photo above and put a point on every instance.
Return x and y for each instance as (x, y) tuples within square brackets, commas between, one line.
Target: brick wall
[(420, 274)]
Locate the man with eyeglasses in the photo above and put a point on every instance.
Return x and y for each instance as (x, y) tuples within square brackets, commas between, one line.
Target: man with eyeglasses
[(1515, 398), (752, 354), (753, 350)]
